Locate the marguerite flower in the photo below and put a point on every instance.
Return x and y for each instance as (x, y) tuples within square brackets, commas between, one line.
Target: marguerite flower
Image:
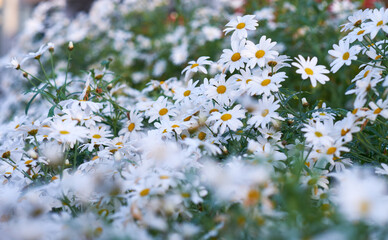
[(260, 53), (343, 54), (13, 64), (240, 25), (67, 131), (161, 108), (230, 119), (318, 134), (195, 66), (379, 20), (188, 93), (220, 90), (265, 112), (134, 122), (233, 59), (355, 20), (309, 69)]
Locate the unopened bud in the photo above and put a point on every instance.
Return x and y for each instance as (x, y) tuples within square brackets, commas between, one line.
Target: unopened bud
[(71, 46), (32, 153), (25, 75), (304, 102), (109, 87), (51, 46)]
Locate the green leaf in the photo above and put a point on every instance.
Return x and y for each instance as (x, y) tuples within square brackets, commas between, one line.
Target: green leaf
[(51, 111)]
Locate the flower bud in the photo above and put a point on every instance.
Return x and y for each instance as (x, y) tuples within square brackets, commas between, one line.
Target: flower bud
[(71, 46), (304, 102)]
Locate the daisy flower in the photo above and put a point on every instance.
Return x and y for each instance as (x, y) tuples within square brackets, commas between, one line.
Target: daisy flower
[(244, 79), (13, 64), (67, 131), (309, 69), (233, 59), (220, 90), (343, 54), (134, 122), (195, 66), (188, 93), (357, 34), (378, 108), (259, 53), (240, 25), (266, 83), (379, 20), (161, 108), (97, 136), (355, 20), (265, 112), (36, 55), (317, 134), (230, 119)]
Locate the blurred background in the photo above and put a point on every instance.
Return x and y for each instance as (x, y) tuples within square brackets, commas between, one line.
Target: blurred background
[(14, 14)]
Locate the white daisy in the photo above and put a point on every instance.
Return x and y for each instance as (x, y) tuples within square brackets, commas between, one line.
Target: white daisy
[(309, 69), (343, 54), (265, 112), (220, 90), (233, 59), (240, 25), (260, 53), (230, 119), (195, 66)]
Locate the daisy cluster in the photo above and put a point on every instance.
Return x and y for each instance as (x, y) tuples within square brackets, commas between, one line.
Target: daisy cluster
[(143, 50), (196, 156)]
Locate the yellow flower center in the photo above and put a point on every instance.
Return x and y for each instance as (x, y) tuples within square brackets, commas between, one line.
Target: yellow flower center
[(98, 136), (379, 23), (318, 134), (28, 162), (344, 132), (364, 207), (187, 93), (226, 117), (358, 23), (265, 82), (331, 150), (131, 127), (163, 111), (175, 126), (201, 136), (377, 111), (221, 89), (309, 71), (260, 54), (235, 57), (346, 56), (213, 110), (360, 32), (194, 65), (145, 192), (248, 80), (366, 73), (63, 132), (164, 177), (265, 112), (187, 119), (240, 25)]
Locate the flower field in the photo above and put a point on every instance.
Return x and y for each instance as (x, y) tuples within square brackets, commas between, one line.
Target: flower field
[(158, 119)]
